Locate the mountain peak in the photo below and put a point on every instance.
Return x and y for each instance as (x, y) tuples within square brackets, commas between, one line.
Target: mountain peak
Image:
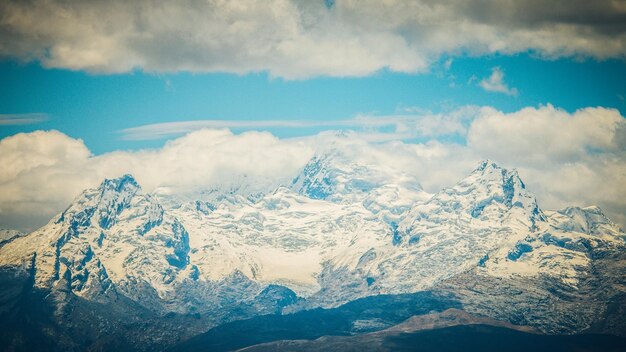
[(119, 184), (507, 180), (491, 191), (336, 175), (105, 202), (488, 167), (588, 220), (327, 174), (115, 195), (487, 164), (491, 172)]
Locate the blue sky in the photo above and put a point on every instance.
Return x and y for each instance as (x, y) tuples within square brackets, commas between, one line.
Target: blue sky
[(95, 107)]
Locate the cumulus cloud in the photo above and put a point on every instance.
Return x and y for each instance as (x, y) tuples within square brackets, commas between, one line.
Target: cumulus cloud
[(495, 83), (565, 158), (302, 38), (39, 171), (547, 135)]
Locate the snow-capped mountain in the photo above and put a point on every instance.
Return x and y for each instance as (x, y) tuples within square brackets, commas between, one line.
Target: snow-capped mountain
[(340, 231), (458, 227), (114, 234)]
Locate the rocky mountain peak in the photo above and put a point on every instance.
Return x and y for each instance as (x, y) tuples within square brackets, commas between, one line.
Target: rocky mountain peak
[(120, 184), (115, 195), (491, 183), (335, 176)]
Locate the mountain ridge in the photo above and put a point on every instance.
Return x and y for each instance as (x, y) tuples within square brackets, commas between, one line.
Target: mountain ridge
[(286, 250)]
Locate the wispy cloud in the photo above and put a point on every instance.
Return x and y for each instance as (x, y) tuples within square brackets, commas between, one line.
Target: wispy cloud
[(418, 123), (495, 83), (22, 119), (177, 128)]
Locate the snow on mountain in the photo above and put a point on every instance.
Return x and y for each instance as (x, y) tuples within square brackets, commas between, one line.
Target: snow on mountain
[(284, 238), (334, 176), (459, 225), (7, 236), (340, 231)]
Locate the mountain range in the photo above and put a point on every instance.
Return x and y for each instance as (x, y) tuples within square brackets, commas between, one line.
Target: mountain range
[(121, 268)]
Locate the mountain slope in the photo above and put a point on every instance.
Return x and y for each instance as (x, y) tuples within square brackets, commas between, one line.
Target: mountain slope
[(357, 317), (7, 236), (558, 281), (470, 338)]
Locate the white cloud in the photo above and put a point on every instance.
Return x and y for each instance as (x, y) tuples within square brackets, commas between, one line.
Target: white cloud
[(495, 83), (40, 172), (565, 158), (25, 152), (301, 38), (546, 134)]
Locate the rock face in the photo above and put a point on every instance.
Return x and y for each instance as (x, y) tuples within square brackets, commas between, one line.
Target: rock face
[(339, 232)]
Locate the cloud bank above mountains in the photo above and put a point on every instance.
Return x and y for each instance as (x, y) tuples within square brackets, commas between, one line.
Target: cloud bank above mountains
[(302, 38), (566, 159)]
